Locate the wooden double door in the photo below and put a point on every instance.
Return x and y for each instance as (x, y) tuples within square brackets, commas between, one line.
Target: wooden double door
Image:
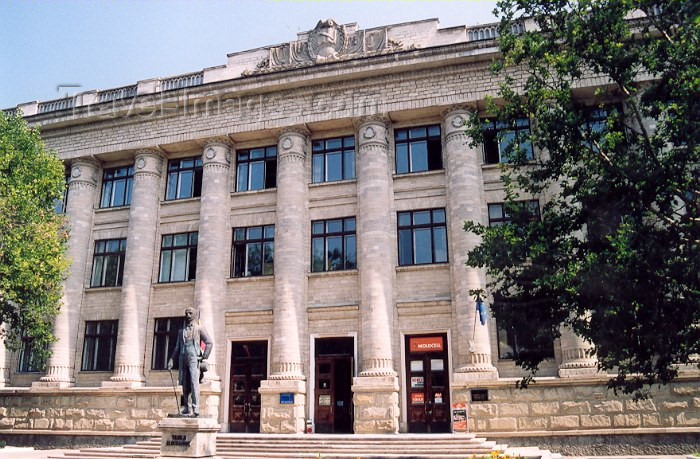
[(248, 368), (333, 408), (427, 378)]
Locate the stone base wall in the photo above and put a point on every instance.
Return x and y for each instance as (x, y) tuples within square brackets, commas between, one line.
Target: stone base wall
[(576, 405), (376, 404), (92, 409), (276, 417)]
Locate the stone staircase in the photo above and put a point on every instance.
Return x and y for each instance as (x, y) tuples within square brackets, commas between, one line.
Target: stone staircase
[(317, 446)]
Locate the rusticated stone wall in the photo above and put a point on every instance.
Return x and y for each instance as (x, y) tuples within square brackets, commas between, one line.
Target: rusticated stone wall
[(94, 409), (557, 405)]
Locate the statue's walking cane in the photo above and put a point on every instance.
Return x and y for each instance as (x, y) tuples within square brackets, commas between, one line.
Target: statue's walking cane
[(177, 402)]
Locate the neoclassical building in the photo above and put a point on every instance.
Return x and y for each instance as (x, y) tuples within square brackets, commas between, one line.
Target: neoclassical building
[(308, 199)]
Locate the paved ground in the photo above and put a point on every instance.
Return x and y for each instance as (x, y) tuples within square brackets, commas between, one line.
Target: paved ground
[(10, 452)]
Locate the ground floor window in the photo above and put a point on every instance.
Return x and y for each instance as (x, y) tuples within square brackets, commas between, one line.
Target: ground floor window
[(511, 345), (100, 345), (164, 340), (28, 360)]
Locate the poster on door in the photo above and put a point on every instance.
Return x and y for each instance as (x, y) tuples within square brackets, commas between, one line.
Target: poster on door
[(417, 382), (417, 398), (460, 418)]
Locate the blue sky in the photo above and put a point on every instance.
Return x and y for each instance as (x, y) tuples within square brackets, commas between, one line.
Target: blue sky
[(101, 44)]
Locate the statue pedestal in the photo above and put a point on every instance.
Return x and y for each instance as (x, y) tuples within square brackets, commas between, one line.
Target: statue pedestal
[(185, 437)]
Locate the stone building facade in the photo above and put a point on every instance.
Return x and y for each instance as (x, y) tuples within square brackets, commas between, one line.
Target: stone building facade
[(308, 199)]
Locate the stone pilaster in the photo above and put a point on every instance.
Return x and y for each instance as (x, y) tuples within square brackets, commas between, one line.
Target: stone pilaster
[(465, 202), (577, 359), (375, 390), (79, 212), (212, 256), (138, 268), (291, 260), (4, 360)]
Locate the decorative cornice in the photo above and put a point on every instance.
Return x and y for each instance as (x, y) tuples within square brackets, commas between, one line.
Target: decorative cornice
[(293, 130), (218, 140), (459, 108), (371, 119)]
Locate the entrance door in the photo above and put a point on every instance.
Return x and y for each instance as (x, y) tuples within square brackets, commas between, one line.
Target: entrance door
[(248, 368), (427, 378), (332, 388)]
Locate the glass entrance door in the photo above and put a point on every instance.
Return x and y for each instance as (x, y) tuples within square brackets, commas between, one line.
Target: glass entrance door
[(427, 380), (332, 385), (248, 368)]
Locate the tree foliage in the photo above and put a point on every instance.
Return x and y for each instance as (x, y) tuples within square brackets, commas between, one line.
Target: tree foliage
[(615, 254), (32, 236)]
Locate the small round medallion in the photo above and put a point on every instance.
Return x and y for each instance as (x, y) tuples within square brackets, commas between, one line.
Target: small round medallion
[(287, 143), (228, 157), (210, 153), (457, 121), (369, 133), (141, 163), (76, 171)]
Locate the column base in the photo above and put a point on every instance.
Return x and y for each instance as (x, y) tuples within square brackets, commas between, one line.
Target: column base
[(41, 385), (574, 371), (188, 437), (376, 400), (467, 374), (283, 407), (122, 384)]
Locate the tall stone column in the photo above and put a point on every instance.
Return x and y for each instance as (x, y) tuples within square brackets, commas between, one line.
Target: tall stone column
[(214, 237), (291, 242), (576, 357), (4, 361), (79, 212), (375, 390), (465, 202), (138, 268)]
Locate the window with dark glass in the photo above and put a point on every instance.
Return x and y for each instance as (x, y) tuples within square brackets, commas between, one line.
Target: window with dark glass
[(108, 263), (184, 178), (333, 245), (500, 214), (100, 345), (178, 257), (62, 203), (164, 340), (253, 251), (333, 159), (117, 184), (418, 149), (511, 346), (256, 168), (502, 141), (422, 237), (27, 359)]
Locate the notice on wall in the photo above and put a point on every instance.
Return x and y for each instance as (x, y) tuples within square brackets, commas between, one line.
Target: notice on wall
[(286, 398), (324, 400), (417, 398), (417, 382), (459, 417)]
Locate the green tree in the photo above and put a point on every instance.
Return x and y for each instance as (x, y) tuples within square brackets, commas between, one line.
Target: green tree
[(611, 90), (32, 236)]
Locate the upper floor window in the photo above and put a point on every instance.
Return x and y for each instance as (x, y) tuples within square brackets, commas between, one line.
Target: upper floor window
[(28, 361), (164, 340), (62, 203), (108, 263), (184, 178), (333, 159), (116, 187), (500, 214), (253, 251), (257, 168), (418, 149), (178, 257), (333, 245), (100, 345), (422, 237), (502, 140)]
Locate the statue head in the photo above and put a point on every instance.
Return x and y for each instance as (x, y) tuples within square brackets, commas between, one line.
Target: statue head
[(190, 314)]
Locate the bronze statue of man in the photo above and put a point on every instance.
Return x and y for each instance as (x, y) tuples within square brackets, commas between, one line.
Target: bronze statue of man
[(188, 351)]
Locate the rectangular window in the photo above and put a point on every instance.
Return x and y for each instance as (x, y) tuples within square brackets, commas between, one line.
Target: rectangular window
[(256, 168), (501, 140), (108, 263), (184, 178), (116, 187), (253, 251), (418, 149), (422, 237), (333, 159), (27, 361), (500, 214), (178, 257), (62, 203), (510, 346), (164, 340), (100, 345), (333, 245)]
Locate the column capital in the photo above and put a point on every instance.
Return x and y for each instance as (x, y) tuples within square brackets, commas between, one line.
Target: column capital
[(148, 162), (293, 131), (371, 119), (373, 130), (84, 173), (217, 140), (455, 119), (292, 143), (217, 151)]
